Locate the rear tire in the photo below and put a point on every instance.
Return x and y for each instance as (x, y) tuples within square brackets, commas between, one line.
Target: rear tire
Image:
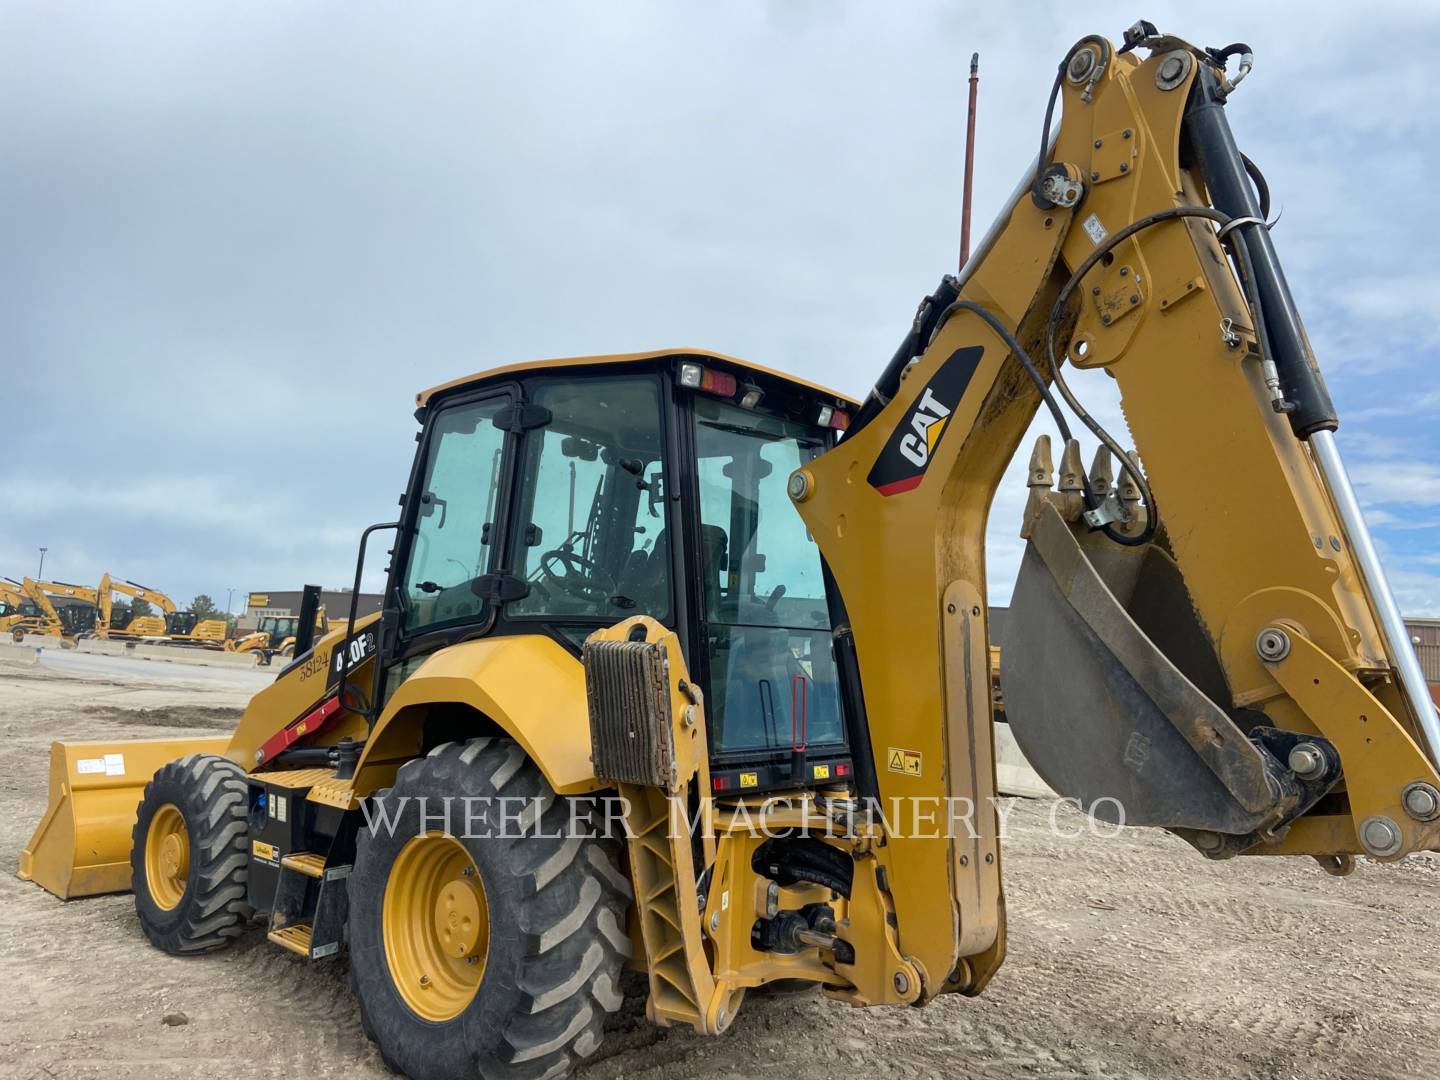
[(549, 973), (190, 855)]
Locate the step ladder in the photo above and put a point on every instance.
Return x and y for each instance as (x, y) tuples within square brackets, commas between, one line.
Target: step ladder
[(311, 905)]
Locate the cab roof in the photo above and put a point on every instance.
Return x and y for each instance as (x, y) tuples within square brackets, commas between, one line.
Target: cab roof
[(423, 398)]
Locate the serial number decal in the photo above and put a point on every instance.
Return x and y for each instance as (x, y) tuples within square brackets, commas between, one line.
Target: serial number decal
[(318, 662), (911, 446)]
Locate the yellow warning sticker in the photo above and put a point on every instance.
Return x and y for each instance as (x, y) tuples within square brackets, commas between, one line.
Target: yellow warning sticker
[(749, 779), (822, 772), (263, 850), (903, 761)]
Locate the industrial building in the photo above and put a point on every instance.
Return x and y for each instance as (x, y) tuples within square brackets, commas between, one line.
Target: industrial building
[(286, 602)]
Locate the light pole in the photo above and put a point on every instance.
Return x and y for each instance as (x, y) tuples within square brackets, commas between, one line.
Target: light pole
[(229, 595), (40, 574)]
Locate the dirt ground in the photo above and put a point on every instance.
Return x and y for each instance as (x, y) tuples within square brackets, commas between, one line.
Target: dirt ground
[(1129, 957)]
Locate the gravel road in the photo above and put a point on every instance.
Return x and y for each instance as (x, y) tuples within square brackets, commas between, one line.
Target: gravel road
[(1129, 957)]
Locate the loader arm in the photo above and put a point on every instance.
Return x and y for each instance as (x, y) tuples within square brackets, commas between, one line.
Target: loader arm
[(1220, 660)]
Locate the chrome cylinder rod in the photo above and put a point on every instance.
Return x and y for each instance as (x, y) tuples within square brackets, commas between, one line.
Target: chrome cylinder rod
[(1392, 626)]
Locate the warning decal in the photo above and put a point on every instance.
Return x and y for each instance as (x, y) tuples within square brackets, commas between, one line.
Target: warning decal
[(903, 761)]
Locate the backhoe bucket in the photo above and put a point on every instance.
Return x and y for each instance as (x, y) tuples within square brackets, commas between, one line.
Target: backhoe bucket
[(82, 845), (1108, 716)]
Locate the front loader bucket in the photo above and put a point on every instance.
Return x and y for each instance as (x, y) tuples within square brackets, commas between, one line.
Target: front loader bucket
[(1104, 714), (82, 845)]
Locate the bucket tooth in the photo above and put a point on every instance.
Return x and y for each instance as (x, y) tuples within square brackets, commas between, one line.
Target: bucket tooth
[(1072, 482), (1102, 472), (1042, 466), (1128, 492), (1041, 476)]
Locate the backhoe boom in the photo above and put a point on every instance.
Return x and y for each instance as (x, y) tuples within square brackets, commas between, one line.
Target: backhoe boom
[(1216, 660)]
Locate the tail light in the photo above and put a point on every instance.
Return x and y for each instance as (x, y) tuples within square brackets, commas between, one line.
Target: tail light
[(698, 377)]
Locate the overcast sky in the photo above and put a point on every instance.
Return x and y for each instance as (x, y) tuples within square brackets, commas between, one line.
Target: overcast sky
[(238, 238)]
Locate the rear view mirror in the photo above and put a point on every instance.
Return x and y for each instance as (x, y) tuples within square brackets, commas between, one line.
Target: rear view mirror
[(574, 447)]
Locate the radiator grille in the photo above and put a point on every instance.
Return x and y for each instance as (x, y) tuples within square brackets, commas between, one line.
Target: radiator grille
[(628, 688)]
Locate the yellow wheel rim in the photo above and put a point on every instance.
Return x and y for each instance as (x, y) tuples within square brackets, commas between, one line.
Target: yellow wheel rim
[(436, 925), (167, 857)]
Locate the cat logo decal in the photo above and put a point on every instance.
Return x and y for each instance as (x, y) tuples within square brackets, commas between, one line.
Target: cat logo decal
[(911, 446)]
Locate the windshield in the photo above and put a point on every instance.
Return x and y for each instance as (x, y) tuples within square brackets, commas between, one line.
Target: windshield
[(773, 682), (454, 517)]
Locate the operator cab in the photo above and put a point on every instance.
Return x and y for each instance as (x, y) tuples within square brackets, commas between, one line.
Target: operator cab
[(562, 497)]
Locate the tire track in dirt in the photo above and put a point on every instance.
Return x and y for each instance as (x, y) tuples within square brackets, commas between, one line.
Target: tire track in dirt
[(1129, 957)]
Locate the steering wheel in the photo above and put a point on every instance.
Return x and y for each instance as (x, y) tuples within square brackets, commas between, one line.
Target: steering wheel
[(576, 575)]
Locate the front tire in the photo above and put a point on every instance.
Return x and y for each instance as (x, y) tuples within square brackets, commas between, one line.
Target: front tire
[(190, 856), (491, 956)]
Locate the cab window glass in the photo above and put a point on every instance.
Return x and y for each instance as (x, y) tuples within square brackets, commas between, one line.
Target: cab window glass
[(455, 517), (773, 681), (591, 540)]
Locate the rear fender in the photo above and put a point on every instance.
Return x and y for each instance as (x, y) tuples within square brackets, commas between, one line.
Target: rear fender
[(527, 687)]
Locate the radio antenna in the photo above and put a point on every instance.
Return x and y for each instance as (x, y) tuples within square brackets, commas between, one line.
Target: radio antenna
[(969, 164)]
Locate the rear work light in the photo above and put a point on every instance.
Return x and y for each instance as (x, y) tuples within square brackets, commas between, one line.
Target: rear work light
[(831, 417), (697, 377)]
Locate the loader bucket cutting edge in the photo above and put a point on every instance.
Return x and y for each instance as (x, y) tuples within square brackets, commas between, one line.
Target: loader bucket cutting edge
[(82, 845)]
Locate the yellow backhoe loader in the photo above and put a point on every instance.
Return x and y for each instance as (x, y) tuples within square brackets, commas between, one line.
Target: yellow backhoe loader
[(685, 660), (16, 609), (139, 626), (275, 635)]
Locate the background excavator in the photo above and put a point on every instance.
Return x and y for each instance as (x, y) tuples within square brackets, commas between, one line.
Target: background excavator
[(138, 626), (172, 625), (755, 612)]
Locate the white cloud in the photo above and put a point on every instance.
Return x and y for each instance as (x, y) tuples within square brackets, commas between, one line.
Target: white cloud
[(240, 240)]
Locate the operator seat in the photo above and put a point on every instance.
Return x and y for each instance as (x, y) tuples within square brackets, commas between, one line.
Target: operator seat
[(645, 576)]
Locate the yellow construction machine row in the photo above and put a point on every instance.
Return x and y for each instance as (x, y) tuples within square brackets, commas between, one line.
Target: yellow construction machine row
[(29, 610), (740, 620)]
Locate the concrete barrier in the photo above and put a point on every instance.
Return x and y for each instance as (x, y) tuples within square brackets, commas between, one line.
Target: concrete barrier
[(1013, 774), (26, 655), (103, 648), (180, 654), (170, 654)]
